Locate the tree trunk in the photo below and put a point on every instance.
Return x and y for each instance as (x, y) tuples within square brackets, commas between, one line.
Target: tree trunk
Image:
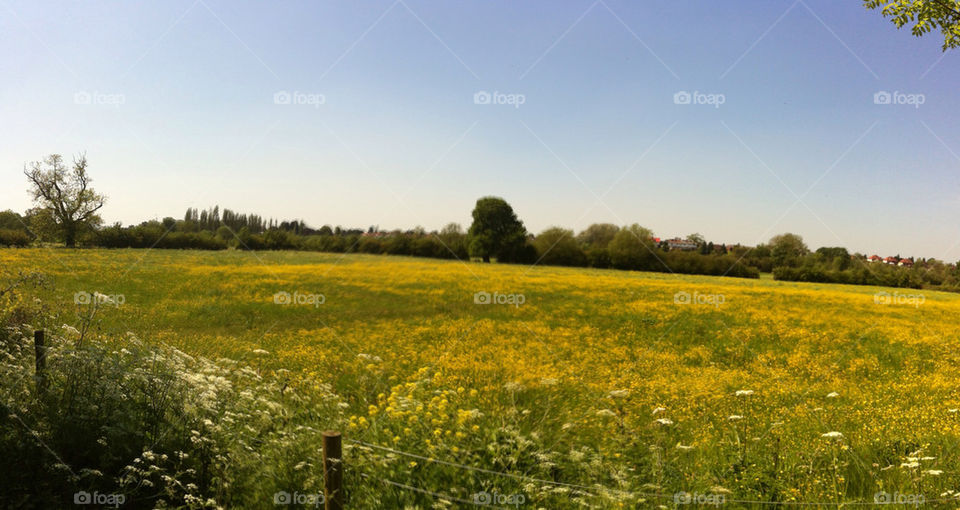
[(70, 236), (486, 258)]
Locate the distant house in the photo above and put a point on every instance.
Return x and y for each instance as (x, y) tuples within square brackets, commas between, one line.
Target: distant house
[(891, 260), (681, 244), (875, 258), (905, 263)]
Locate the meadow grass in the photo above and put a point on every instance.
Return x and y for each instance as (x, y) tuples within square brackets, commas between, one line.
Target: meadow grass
[(622, 383)]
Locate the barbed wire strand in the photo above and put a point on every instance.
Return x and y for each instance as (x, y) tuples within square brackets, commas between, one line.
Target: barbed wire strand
[(480, 470), (586, 489), (429, 493)]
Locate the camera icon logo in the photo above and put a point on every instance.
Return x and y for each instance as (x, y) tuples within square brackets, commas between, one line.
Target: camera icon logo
[(82, 498), (482, 298), (481, 97), (482, 498), (682, 97), (282, 298), (682, 298), (883, 498), (82, 97), (682, 498), (882, 97), (281, 498), (82, 298), (281, 97)]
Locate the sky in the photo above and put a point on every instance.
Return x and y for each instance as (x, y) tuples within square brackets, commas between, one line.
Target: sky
[(736, 120)]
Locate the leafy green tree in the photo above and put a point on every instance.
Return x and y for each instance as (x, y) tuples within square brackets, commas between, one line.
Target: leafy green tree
[(697, 239), (66, 194), (787, 249), (496, 232), (454, 241), (924, 16), (598, 235), (595, 240), (557, 247), (11, 220), (632, 248)]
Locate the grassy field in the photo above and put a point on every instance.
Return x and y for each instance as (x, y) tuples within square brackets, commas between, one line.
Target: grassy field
[(630, 386)]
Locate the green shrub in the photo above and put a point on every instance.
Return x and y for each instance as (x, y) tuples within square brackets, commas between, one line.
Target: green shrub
[(18, 238), (149, 423)]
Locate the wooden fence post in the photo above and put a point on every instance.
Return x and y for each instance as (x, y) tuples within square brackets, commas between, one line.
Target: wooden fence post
[(40, 372), (332, 470)]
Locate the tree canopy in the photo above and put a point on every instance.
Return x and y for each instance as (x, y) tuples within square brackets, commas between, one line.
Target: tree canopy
[(924, 16), (64, 195), (497, 232)]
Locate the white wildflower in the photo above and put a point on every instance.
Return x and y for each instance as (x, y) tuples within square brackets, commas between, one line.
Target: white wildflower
[(833, 394), (744, 393), (618, 393), (664, 421), (832, 435)]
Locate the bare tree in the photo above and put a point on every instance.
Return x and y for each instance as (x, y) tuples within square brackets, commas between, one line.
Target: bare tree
[(65, 193)]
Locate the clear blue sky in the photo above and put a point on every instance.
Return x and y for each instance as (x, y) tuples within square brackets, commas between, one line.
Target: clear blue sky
[(182, 114)]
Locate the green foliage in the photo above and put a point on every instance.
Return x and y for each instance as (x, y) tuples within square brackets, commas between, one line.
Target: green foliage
[(66, 195), (787, 249), (10, 220), (557, 247), (924, 16), (17, 238), (632, 248), (859, 273), (161, 428), (497, 233)]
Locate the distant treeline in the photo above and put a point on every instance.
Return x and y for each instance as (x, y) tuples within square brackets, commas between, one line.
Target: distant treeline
[(598, 246), (794, 262)]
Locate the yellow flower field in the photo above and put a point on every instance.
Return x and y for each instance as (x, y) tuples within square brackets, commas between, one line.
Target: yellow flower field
[(624, 389)]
